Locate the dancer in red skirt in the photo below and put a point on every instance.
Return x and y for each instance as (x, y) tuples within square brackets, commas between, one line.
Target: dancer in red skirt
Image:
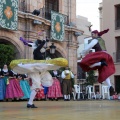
[(99, 59)]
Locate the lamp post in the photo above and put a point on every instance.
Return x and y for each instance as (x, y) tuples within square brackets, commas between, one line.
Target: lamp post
[(52, 48)]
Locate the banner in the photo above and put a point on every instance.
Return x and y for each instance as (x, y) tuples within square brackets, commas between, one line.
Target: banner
[(9, 14), (57, 26)]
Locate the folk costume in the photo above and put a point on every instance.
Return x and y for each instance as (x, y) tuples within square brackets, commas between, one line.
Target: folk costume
[(99, 59), (39, 51), (54, 91), (24, 84), (37, 70), (4, 74), (66, 76), (13, 89), (40, 94), (2, 87), (38, 46)]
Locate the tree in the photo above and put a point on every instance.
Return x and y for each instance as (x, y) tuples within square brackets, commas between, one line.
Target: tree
[(6, 54), (90, 80)]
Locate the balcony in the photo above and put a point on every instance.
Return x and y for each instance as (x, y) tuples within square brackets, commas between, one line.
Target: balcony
[(43, 12), (117, 24), (22, 6), (48, 16), (116, 57)]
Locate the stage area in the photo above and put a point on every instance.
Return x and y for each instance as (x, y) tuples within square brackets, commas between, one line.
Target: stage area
[(61, 110)]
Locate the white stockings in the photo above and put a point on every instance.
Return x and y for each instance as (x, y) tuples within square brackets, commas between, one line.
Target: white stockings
[(32, 96)]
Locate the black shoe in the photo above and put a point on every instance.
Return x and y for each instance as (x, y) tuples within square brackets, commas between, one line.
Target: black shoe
[(68, 99), (56, 99), (31, 106), (103, 63), (65, 99), (52, 99), (111, 89)]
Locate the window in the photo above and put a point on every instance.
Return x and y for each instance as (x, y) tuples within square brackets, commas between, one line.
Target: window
[(118, 44), (117, 17), (51, 5), (22, 6), (117, 49), (117, 84)]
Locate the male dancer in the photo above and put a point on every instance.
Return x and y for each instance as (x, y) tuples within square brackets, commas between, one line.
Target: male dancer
[(38, 54), (36, 77), (37, 69), (99, 59)]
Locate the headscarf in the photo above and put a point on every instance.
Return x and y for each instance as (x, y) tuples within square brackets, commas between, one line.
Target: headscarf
[(100, 33)]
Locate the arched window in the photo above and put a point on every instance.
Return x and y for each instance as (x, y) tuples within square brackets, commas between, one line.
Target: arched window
[(51, 5)]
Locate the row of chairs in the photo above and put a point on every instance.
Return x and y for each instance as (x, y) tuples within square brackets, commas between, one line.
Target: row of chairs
[(91, 92)]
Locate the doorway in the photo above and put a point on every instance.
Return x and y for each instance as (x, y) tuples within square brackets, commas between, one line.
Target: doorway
[(117, 84)]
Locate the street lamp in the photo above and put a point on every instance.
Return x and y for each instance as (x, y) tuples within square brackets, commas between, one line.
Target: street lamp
[(52, 48)]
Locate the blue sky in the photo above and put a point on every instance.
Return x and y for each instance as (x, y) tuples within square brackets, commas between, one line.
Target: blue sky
[(89, 9)]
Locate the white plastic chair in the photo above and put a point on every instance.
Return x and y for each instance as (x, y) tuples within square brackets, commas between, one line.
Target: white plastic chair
[(77, 92), (105, 92), (90, 91)]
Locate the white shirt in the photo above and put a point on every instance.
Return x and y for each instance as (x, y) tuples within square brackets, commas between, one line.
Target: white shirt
[(63, 74), (89, 46)]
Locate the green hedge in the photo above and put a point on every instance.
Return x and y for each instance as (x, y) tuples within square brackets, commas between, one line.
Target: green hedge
[(6, 54)]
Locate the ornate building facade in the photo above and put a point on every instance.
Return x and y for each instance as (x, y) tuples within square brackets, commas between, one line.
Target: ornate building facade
[(110, 18), (28, 28)]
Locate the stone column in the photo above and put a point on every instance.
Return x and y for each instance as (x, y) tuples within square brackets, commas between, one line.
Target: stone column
[(72, 52)]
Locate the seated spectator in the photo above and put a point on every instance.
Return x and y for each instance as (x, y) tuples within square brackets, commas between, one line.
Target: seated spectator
[(93, 96), (98, 96), (84, 95), (118, 96), (115, 96)]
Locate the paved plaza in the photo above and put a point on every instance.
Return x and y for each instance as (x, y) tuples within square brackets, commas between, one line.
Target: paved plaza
[(61, 110)]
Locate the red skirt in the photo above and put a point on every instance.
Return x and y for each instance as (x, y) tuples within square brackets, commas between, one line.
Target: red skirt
[(40, 94), (104, 71), (54, 91)]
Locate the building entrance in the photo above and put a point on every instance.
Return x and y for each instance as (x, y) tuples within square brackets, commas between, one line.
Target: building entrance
[(16, 51), (117, 84)]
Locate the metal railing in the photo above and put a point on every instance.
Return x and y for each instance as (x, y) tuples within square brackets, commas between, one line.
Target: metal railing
[(43, 12), (116, 57), (48, 16)]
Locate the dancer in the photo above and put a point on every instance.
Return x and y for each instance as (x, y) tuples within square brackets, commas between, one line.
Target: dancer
[(99, 59), (24, 84), (38, 54), (37, 70), (4, 81), (39, 46), (66, 76), (2, 87), (54, 91), (13, 89)]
